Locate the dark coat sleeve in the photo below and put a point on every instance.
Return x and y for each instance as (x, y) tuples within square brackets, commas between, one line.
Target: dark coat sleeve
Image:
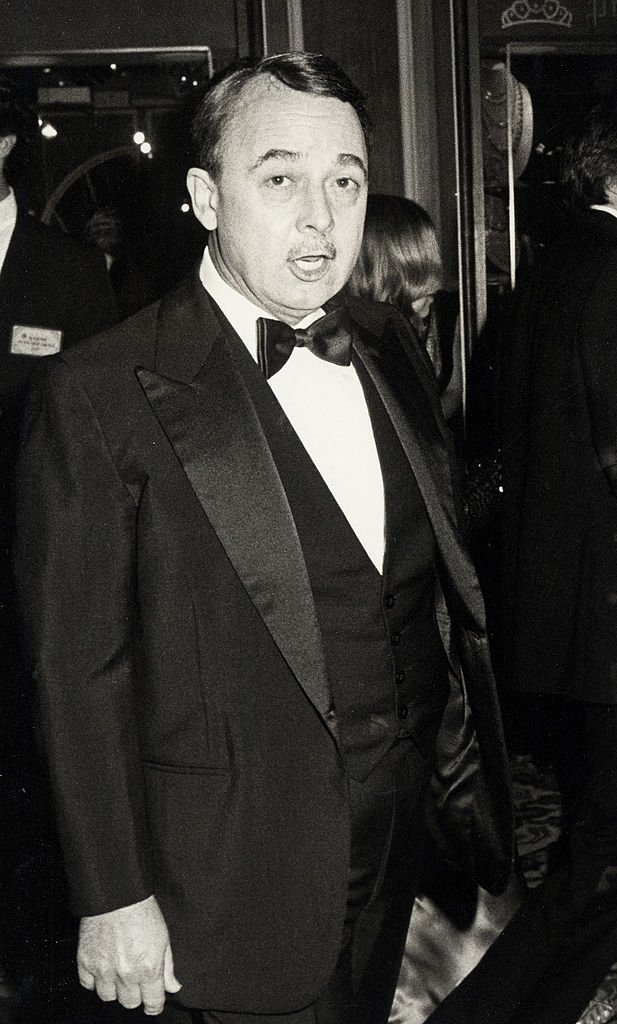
[(75, 564)]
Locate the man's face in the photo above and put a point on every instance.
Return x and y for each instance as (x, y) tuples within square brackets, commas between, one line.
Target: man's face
[(289, 203)]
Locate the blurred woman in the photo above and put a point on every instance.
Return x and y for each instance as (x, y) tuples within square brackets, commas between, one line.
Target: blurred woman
[(400, 263)]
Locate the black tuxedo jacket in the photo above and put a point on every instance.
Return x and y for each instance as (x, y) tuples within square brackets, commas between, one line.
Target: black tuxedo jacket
[(183, 694)]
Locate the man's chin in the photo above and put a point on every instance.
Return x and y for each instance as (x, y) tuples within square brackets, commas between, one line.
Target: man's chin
[(312, 295)]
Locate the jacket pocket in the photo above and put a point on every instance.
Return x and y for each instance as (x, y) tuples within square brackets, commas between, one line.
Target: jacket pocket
[(185, 769)]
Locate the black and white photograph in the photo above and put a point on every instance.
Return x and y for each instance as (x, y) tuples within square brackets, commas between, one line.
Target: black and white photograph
[(308, 512)]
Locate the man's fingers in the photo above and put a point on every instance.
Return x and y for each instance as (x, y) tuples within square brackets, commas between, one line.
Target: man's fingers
[(153, 996), (85, 978), (128, 995), (106, 990), (171, 982), (124, 954)]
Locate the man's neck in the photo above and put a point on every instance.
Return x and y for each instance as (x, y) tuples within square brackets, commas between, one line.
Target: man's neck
[(241, 311), (5, 189)]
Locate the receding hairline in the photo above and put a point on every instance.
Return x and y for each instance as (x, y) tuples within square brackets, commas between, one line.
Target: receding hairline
[(318, 76), (242, 100), (266, 81)]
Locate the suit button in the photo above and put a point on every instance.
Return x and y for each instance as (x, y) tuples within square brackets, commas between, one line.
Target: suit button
[(403, 711), (400, 676), (395, 638), (389, 600)]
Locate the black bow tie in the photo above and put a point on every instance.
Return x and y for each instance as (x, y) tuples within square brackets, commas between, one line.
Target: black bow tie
[(329, 338)]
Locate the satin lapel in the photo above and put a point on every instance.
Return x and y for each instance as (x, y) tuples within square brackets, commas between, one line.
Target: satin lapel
[(397, 375), (212, 424)]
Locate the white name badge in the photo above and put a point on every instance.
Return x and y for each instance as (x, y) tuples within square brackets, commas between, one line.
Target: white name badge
[(35, 341)]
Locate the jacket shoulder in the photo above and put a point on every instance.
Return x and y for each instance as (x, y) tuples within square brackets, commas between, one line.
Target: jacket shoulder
[(127, 344), (375, 315)]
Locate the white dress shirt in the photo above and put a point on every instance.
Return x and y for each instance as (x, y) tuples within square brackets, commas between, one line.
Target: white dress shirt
[(326, 406), (8, 217)]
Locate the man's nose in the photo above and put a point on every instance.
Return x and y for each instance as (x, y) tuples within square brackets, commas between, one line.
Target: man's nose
[(315, 211)]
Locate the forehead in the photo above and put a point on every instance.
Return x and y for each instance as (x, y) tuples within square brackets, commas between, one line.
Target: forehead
[(269, 116)]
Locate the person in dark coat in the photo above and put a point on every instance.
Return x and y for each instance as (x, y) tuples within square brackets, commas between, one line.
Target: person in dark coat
[(54, 292), (560, 595), (248, 601)]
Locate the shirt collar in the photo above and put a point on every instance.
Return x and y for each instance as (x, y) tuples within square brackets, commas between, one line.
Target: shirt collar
[(239, 310), (605, 208), (8, 210)]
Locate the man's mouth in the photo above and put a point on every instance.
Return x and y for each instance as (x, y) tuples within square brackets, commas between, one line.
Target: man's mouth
[(315, 259), (310, 266)]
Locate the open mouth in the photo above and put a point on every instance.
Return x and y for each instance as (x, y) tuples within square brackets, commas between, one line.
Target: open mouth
[(311, 265), (317, 257)]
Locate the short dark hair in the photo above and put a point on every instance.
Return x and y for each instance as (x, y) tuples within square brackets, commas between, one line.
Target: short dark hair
[(589, 158), (305, 72), (16, 116), (399, 260)]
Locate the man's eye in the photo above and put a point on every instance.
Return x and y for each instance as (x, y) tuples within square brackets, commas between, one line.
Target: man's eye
[(279, 180), (347, 184)]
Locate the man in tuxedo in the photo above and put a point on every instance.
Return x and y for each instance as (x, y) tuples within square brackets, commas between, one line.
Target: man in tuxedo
[(257, 636)]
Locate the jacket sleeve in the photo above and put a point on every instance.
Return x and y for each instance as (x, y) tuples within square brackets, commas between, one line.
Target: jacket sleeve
[(76, 575)]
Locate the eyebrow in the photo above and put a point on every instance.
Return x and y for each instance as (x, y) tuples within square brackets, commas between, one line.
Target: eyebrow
[(351, 160), (343, 159), (276, 154)]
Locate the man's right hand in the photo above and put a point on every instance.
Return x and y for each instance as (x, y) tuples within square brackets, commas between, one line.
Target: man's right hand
[(126, 955)]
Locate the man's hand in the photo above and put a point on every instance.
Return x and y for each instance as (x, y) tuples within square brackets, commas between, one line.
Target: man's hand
[(126, 955)]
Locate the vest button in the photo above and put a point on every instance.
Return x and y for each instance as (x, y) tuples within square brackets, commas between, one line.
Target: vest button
[(403, 711), (400, 676), (389, 600), (395, 638)]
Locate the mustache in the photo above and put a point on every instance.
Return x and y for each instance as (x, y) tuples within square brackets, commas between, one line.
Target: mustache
[(316, 247)]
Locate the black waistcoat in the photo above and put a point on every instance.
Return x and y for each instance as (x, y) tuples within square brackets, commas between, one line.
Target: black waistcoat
[(383, 653)]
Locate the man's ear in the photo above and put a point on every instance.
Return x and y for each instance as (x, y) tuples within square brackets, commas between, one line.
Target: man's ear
[(6, 144), (204, 196)]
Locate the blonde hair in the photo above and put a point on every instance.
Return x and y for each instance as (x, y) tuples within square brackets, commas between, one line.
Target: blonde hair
[(399, 260)]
